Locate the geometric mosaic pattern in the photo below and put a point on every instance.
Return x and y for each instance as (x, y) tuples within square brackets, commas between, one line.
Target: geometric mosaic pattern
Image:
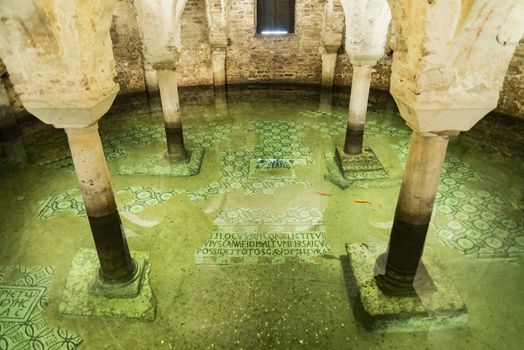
[(71, 201), (278, 141), (142, 197), (297, 216), (158, 165), (53, 151), (23, 294), (467, 218), (476, 224)]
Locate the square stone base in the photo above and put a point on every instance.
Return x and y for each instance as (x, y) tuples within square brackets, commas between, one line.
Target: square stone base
[(436, 308), (80, 299), (159, 166), (365, 166)]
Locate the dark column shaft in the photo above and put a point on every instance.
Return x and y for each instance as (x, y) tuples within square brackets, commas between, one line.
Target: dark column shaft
[(413, 213), (116, 264), (354, 139), (176, 150)]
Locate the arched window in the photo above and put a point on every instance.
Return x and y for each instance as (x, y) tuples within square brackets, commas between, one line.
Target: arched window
[(275, 17)]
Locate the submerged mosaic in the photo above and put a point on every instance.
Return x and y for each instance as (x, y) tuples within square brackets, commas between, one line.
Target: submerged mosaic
[(469, 219), (245, 217), (265, 236), (23, 293)]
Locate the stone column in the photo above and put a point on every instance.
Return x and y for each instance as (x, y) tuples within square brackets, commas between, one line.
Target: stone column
[(167, 82), (329, 62), (358, 105), (218, 65), (116, 264), (413, 213), (326, 100)]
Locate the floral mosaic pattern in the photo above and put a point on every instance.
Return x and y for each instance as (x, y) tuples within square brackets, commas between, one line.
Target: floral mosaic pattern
[(32, 332)]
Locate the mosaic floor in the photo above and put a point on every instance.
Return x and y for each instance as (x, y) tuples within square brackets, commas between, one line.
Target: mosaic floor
[(23, 295), (250, 253), (476, 227)]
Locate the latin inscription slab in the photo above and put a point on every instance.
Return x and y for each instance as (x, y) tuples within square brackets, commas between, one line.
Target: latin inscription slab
[(17, 303), (230, 247)]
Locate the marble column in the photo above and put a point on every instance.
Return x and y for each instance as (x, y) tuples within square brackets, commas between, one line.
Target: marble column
[(329, 62), (167, 82), (91, 170), (218, 65), (413, 213), (358, 105)]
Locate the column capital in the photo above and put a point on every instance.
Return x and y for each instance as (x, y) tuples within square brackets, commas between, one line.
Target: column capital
[(65, 117), (363, 62), (169, 64), (330, 49)]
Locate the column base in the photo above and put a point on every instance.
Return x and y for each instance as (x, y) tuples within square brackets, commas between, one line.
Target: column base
[(344, 169), (85, 295), (439, 307), (160, 166)]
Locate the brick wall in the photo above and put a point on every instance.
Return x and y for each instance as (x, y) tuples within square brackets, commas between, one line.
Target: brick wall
[(127, 48), (294, 58), (194, 66), (512, 95)]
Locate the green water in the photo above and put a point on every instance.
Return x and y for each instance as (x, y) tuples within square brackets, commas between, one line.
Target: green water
[(211, 293)]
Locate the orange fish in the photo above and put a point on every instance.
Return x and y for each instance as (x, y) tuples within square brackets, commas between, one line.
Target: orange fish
[(361, 201), (323, 193)]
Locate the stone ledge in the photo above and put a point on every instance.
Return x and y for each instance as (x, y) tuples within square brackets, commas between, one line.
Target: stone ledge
[(78, 300), (442, 308), (158, 165)]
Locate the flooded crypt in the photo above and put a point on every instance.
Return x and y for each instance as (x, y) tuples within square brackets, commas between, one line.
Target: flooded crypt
[(261, 174)]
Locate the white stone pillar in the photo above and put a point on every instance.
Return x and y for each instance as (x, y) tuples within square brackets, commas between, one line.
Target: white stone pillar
[(441, 91), (167, 82), (358, 105), (326, 100), (116, 264), (413, 213), (218, 65), (329, 62)]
